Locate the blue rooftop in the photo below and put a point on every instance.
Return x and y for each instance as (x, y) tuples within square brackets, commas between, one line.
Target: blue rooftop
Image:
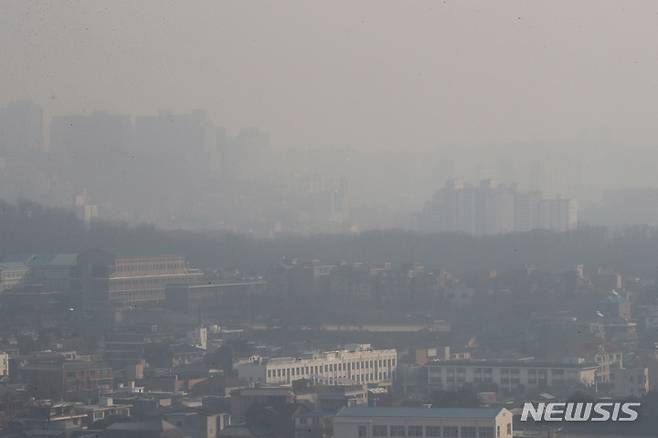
[(419, 412)]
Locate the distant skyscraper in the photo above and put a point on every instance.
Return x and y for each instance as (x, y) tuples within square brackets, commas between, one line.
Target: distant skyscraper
[(527, 211), (559, 214), (92, 151), (21, 130)]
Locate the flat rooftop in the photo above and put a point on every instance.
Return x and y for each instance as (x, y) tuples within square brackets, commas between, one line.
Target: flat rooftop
[(447, 413), (512, 364)]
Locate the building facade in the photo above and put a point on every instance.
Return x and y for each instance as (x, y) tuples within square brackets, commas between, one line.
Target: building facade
[(368, 422), (4, 364), (131, 280), (51, 376), (508, 375), (490, 208), (11, 275), (358, 364), (630, 382), (194, 298)]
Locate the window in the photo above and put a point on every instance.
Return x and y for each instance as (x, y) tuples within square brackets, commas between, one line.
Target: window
[(415, 431), (509, 428), (398, 431), (451, 432), (485, 432), (498, 431), (469, 432), (363, 431), (379, 430), (433, 431)]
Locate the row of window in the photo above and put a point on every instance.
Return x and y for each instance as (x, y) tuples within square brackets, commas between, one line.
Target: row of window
[(330, 368), (431, 431), (357, 378), (12, 275), (150, 267), (503, 371)]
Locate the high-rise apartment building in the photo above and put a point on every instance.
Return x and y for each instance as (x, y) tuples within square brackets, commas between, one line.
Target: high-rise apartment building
[(489, 208)]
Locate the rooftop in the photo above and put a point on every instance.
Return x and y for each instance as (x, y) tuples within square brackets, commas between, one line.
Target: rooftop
[(447, 413), (12, 266), (513, 364)]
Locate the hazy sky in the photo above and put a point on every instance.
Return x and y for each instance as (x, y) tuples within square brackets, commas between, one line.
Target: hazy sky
[(391, 74)]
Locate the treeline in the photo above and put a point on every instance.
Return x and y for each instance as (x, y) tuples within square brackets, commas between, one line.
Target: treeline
[(26, 227)]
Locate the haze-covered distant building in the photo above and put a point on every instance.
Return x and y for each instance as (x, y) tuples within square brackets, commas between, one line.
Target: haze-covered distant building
[(21, 130), (115, 280), (490, 208), (91, 152), (509, 375)]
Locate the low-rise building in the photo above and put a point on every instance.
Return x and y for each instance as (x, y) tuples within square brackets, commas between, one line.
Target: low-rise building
[(630, 382), (197, 424), (195, 298), (109, 279), (104, 409), (309, 423), (4, 364), (509, 375), (359, 364), (243, 399), (11, 275), (367, 422), (49, 375)]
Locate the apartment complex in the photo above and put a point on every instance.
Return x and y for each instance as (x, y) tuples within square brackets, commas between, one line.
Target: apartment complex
[(508, 375), (367, 422), (359, 364), (490, 208), (131, 280)]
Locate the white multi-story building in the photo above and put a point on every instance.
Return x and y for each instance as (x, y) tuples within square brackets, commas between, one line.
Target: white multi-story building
[(367, 422), (4, 364), (359, 364), (559, 214), (509, 375), (11, 275)]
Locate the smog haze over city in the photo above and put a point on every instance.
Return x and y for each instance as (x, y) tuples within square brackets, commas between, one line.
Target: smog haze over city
[(289, 219)]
